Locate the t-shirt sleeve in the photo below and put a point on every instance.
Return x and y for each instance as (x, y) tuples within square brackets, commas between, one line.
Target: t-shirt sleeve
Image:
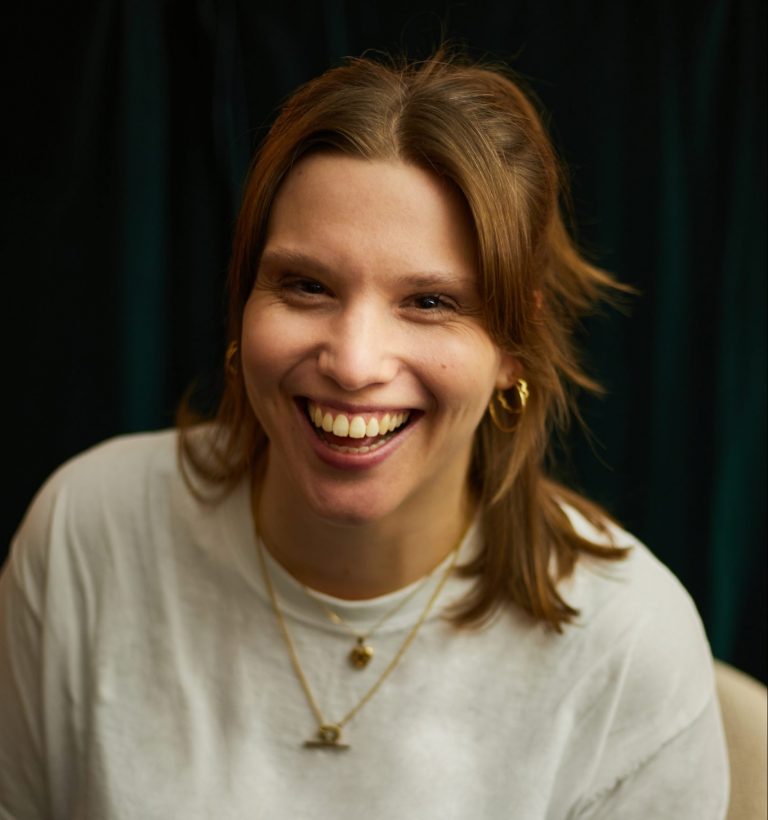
[(656, 743), (687, 778), (45, 591), (23, 787), (63, 567)]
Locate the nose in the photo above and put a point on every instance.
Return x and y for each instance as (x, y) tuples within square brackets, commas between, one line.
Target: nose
[(359, 349)]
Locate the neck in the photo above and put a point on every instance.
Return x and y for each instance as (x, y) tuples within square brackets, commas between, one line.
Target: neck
[(361, 560)]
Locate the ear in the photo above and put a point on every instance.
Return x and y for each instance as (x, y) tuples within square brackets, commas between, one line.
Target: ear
[(510, 370)]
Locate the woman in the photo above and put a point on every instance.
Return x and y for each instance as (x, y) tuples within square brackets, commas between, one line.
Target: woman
[(356, 592)]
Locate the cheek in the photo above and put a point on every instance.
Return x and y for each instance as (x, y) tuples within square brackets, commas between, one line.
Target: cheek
[(463, 373), (260, 352), (265, 350)]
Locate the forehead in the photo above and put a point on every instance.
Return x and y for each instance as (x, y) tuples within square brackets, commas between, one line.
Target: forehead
[(372, 216)]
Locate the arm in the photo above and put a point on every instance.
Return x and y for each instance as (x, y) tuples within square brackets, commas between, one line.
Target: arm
[(686, 779), (654, 739), (23, 790)]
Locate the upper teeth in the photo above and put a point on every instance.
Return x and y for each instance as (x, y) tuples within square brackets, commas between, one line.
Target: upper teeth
[(345, 426)]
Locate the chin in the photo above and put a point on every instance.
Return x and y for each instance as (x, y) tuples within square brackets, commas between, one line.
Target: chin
[(352, 508)]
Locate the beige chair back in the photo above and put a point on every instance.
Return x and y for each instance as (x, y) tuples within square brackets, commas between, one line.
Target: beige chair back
[(744, 704)]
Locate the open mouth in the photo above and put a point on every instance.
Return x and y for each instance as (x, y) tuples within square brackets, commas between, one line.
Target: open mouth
[(356, 433)]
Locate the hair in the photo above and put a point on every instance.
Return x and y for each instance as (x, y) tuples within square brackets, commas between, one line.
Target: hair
[(473, 125)]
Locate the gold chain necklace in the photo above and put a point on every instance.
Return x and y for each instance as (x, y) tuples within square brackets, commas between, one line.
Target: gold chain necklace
[(328, 735), (362, 652)]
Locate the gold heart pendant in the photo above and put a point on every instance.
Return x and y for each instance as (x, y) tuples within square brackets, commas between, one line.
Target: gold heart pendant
[(361, 655)]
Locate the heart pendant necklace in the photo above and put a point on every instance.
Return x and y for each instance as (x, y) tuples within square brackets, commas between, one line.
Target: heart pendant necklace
[(329, 735), (362, 652)]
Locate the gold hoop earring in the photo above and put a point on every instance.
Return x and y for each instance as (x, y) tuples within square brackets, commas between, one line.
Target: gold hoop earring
[(522, 393), (521, 386), (230, 362)]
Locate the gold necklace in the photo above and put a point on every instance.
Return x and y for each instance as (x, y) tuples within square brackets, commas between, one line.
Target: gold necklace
[(328, 735), (362, 652)]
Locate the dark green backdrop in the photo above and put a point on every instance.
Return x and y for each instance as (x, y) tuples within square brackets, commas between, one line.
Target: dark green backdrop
[(129, 126)]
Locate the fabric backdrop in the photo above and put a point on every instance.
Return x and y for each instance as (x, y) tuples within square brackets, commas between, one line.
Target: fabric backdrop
[(129, 127)]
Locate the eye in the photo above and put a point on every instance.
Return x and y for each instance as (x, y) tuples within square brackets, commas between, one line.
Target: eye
[(301, 289), (309, 286), (434, 302), (296, 290)]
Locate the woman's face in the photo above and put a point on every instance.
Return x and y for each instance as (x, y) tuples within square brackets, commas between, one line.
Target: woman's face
[(363, 347)]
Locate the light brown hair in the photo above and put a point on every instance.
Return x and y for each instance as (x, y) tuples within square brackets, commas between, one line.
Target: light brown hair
[(473, 125)]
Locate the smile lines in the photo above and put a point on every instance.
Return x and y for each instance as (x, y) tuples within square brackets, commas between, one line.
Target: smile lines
[(359, 426)]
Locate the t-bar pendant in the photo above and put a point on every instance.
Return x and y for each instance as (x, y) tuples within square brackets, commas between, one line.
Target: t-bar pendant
[(328, 737)]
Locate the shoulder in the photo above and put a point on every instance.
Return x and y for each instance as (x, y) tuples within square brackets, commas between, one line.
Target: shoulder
[(121, 476), (634, 595), (115, 465), (643, 652), (117, 520), (99, 496), (636, 606)]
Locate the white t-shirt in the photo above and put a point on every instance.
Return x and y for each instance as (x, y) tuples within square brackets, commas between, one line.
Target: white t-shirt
[(143, 675)]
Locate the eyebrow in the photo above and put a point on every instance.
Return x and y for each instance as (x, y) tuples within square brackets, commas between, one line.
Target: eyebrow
[(279, 256), (418, 279)]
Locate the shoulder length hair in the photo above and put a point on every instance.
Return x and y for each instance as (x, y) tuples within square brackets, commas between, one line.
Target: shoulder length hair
[(473, 125)]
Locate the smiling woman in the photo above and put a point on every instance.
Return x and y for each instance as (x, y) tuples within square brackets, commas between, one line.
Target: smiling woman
[(339, 322), (363, 552)]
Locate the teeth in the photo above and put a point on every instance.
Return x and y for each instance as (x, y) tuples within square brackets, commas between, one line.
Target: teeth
[(356, 427), (341, 426)]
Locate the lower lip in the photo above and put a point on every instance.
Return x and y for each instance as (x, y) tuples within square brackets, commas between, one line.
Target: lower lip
[(350, 460)]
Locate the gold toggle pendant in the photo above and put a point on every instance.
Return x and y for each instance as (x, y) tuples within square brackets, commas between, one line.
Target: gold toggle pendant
[(328, 737), (360, 656)]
